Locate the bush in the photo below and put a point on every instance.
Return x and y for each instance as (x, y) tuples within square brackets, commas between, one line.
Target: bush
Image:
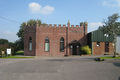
[(86, 50), (19, 52)]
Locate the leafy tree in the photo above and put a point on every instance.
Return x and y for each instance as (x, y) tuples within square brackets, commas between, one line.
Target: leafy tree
[(3, 45), (12, 46), (20, 33), (112, 27), (3, 41), (20, 43), (31, 22)]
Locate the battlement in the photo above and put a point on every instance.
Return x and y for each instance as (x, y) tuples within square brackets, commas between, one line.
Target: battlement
[(60, 25), (82, 24), (33, 28)]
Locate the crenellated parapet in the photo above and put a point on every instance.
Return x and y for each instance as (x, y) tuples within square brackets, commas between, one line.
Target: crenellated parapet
[(61, 25), (57, 27), (30, 28)]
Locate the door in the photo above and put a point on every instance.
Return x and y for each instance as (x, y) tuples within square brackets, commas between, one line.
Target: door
[(106, 46), (75, 49)]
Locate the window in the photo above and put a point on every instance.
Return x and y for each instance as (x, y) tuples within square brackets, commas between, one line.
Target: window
[(62, 44), (98, 44), (30, 44), (47, 46)]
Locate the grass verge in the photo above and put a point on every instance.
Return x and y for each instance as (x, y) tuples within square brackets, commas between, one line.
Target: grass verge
[(17, 57), (109, 57)]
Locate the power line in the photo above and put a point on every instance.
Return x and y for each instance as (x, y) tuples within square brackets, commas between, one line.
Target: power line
[(10, 20)]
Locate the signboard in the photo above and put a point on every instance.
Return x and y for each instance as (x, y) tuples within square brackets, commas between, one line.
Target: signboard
[(3, 52), (8, 51)]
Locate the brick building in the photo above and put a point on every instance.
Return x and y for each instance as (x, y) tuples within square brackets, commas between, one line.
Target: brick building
[(53, 40), (100, 43)]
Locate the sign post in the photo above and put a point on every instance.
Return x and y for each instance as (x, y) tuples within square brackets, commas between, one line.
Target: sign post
[(9, 52)]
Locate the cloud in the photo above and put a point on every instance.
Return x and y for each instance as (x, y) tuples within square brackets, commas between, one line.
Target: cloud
[(94, 25), (111, 3), (9, 35), (38, 9)]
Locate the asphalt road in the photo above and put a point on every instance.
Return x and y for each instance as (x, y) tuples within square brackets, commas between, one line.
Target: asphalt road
[(70, 68)]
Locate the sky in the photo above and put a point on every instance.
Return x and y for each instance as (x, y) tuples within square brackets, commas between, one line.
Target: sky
[(15, 12)]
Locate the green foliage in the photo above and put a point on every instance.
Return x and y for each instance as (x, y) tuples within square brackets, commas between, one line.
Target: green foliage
[(2, 49), (3, 41), (12, 46), (4, 44), (6, 57), (19, 52), (111, 26), (31, 23), (109, 57), (20, 33), (34, 22), (86, 49), (20, 43)]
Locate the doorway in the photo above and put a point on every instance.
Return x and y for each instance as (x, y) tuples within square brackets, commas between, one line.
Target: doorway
[(75, 49), (106, 46)]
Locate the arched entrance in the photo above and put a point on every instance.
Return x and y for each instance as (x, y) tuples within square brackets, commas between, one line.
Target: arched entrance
[(75, 48)]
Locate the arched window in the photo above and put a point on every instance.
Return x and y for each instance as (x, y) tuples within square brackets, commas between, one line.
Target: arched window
[(62, 44), (30, 44), (47, 45)]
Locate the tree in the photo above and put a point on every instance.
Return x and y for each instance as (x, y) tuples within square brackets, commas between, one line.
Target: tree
[(3, 45), (3, 41), (112, 27), (20, 43), (31, 22), (12, 46)]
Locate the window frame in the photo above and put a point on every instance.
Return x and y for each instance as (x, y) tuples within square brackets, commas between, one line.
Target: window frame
[(62, 44), (47, 41), (97, 44)]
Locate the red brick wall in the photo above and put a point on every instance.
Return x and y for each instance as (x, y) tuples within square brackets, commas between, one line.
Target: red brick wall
[(54, 33), (77, 33), (29, 32), (100, 50)]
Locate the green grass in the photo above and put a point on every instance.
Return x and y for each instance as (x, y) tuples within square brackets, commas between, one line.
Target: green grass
[(18, 57), (109, 57)]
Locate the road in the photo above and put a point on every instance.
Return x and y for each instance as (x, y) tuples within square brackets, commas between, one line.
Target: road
[(59, 68)]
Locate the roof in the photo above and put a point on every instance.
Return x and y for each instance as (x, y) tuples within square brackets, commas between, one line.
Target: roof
[(99, 36)]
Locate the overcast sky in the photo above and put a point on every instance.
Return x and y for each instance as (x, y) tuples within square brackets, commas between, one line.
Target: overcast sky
[(14, 12)]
